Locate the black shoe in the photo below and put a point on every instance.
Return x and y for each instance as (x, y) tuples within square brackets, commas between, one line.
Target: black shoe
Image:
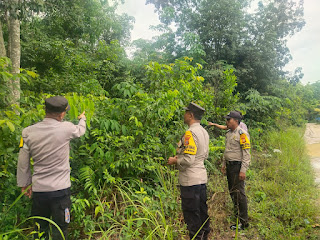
[(240, 226)]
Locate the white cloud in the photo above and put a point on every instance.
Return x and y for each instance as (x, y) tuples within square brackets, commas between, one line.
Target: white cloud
[(144, 15)]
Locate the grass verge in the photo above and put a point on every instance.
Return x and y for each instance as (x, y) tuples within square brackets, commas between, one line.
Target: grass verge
[(281, 192)]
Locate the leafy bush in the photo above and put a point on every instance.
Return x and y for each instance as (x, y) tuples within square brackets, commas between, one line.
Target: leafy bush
[(121, 185)]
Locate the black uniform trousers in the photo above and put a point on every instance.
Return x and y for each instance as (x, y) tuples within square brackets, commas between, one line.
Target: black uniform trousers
[(237, 191), (55, 204), (195, 210)]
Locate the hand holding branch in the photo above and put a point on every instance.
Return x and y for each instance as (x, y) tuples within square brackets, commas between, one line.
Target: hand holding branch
[(172, 160)]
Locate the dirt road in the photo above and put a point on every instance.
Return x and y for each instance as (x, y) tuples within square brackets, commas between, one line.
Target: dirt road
[(312, 138)]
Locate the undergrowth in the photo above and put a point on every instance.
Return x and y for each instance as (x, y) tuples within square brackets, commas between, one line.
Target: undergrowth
[(280, 188)]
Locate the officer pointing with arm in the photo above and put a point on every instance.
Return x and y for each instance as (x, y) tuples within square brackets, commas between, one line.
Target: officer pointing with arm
[(224, 127), (236, 161), (193, 150), (48, 144)]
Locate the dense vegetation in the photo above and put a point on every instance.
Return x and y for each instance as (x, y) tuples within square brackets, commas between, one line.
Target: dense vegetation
[(122, 187)]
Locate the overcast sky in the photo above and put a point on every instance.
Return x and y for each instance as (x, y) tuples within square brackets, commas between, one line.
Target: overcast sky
[(304, 46)]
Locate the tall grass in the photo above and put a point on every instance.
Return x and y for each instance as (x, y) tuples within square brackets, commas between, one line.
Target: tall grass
[(137, 214), (281, 187)]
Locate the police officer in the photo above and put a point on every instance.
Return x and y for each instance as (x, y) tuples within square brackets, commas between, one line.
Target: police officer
[(236, 160), (193, 149), (47, 143)]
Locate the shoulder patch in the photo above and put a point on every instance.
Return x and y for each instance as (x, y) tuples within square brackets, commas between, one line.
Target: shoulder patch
[(189, 145), (21, 143), (244, 141)]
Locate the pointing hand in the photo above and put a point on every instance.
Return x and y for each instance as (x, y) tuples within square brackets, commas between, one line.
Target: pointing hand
[(82, 115)]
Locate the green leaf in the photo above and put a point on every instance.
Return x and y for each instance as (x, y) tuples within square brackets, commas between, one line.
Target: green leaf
[(97, 210), (10, 126), (32, 74)]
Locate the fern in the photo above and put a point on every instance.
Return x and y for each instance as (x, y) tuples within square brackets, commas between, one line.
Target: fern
[(87, 175)]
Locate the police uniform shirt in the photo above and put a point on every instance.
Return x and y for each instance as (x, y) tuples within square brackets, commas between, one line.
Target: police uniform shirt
[(47, 142), (243, 126), (191, 156), (237, 148)]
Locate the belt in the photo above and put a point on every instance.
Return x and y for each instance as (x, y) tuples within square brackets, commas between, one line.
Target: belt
[(231, 163)]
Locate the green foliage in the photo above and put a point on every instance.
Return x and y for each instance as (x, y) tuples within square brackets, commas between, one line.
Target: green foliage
[(142, 218), (12, 120), (262, 108), (311, 96), (75, 47), (6, 78), (79, 104), (228, 30), (66, 67), (83, 21), (129, 120), (222, 78), (286, 105), (130, 137), (122, 187), (282, 188)]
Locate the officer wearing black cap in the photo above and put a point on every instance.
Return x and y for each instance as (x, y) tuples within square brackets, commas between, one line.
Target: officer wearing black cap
[(236, 160), (47, 143), (193, 150)]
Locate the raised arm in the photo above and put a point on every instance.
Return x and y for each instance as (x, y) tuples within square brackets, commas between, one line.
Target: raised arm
[(223, 127)]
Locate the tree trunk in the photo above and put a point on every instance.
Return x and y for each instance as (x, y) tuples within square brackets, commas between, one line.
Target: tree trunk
[(9, 36), (2, 46), (15, 52)]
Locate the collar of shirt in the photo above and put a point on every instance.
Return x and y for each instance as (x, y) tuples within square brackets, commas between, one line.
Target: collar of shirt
[(194, 124), (236, 130), (50, 120)]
